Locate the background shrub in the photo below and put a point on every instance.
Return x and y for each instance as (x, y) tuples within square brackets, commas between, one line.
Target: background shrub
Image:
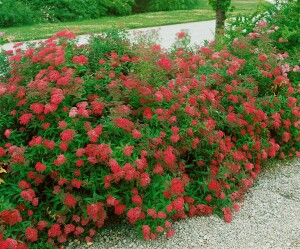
[(164, 5), (24, 12), (14, 12)]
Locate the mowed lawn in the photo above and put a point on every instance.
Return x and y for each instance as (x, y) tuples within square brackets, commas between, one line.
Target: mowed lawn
[(202, 13)]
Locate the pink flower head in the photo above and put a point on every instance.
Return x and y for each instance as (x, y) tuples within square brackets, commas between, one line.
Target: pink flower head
[(73, 112), (57, 96), (128, 150), (136, 134), (7, 133), (60, 160)]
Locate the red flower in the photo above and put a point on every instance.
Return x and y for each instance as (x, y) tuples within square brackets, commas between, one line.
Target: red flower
[(61, 159), (124, 123), (227, 214), (67, 135), (81, 59), (169, 157), (57, 96), (54, 231), (165, 63), (7, 133), (175, 138), (133, 214), (136, 134), (144, 179), (137, 200), (2, 151), (78, 230), (236, 207), (24, 185), (76, 183), (111, 201), (146, 230), (28, 195), (50, 108), (159, 97), (70, 200), (119, 209), (178, 204), (37, 108), (31, 234), (11, 217), (92, 211), (177, 186), (181, 34), (128, 150), (69, 228), (41, 225), (97, 107), (25, 118), (170, 233), (214, 186), (148, 113), (161, 215), (40, 167), (63, 146), (35, 202)]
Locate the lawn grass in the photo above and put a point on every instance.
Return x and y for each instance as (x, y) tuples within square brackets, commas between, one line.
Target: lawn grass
[(202, 13)]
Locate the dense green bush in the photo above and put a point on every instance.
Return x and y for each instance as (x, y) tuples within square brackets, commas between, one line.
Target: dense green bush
[(14, 12), (164, 5), (23, 12), (66, 10)]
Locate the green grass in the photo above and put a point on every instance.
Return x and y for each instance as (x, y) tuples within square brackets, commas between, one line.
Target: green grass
[(202, 13)]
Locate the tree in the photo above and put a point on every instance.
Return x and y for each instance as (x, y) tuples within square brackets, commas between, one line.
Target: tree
[(221, 7)]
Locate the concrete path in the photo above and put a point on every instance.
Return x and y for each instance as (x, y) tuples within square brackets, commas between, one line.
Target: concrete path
[(199, 32)]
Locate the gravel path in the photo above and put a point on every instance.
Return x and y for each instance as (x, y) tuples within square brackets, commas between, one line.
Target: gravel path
[(269, 218)]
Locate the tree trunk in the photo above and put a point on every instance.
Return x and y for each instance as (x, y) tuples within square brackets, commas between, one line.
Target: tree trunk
[(220, 16)]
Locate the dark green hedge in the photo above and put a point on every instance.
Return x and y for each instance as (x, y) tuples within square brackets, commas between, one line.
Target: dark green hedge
[(20, 12)]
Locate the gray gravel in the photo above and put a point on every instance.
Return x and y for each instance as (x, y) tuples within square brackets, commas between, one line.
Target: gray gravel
[(269, 218)]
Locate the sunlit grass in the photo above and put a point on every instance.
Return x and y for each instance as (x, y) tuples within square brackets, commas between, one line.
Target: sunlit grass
[(202, 13)]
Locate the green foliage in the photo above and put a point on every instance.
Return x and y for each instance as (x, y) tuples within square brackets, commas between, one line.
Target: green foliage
[(23, 12), (14, 13), (165, 5), (225, 4)]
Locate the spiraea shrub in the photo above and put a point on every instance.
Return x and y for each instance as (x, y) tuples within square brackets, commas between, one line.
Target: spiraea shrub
[(107, 128)]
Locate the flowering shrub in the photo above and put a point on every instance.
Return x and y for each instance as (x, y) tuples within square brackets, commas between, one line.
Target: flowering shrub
[(113, 129), (284, 15)]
